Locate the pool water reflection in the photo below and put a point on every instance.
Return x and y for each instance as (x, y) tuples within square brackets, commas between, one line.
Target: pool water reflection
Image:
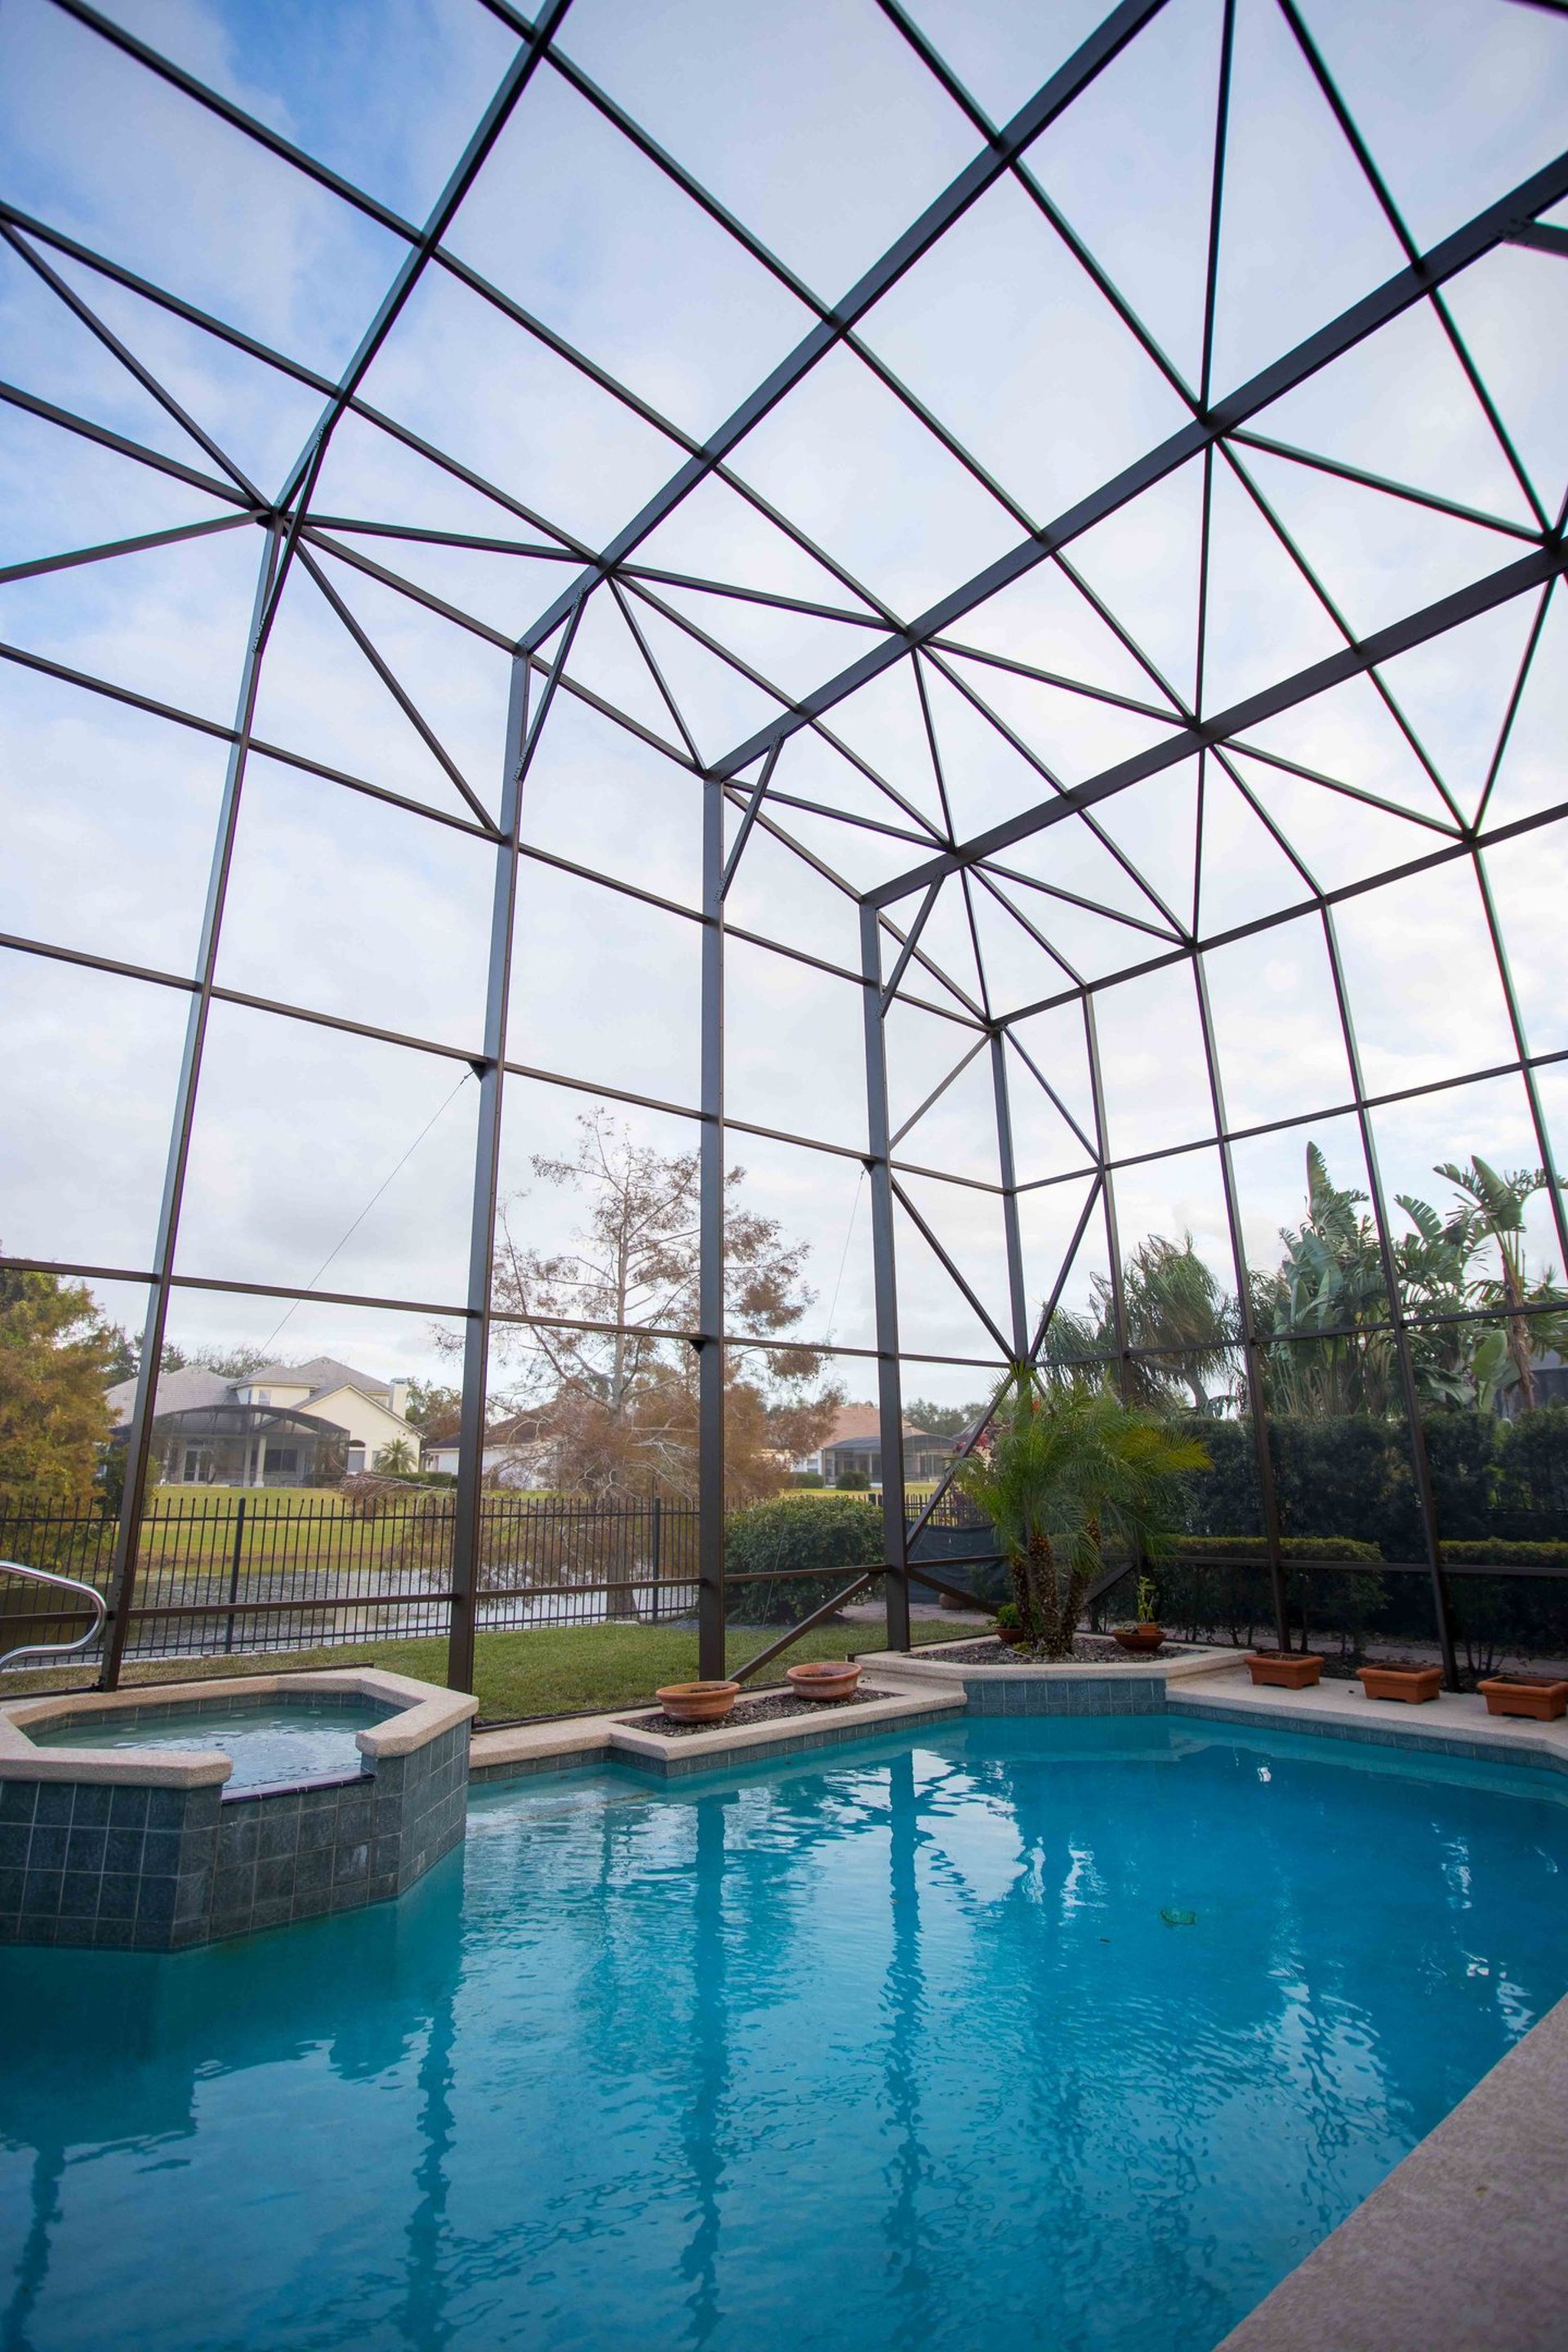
[(913, 2047)]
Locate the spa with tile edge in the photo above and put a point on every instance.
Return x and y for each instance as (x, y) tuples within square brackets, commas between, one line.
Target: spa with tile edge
[(148, 1848)]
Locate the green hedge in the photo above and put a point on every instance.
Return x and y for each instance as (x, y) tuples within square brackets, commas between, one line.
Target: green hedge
[(1484, 1551), (830, 1533)]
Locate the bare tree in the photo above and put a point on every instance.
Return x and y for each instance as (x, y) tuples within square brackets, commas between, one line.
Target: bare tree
[(593, 1344)]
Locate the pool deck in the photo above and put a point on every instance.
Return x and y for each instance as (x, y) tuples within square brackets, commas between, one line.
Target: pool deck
[(1464, 2248), (566, 1745), (1455, 1723)]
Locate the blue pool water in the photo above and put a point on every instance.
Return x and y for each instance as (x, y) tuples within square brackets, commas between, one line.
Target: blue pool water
[(893, 2051), (297, 1740)]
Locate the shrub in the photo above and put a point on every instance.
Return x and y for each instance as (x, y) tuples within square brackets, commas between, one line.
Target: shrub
[(1221, 1583), (830, 1534)]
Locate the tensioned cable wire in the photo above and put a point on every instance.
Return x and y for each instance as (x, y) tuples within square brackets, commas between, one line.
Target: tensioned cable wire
[(844, 1257), (269, 1344)]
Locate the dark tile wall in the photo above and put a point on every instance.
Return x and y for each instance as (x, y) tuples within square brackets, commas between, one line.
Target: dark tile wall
[(1125, 1694), (155, 1869)]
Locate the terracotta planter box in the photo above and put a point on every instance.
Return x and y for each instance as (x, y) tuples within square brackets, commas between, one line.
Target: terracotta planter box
[(1286, 1669), (1541, 1700), (825, 1678), (698, 1702), (1140, 1639), (1014, 1635), (1414, 1684)]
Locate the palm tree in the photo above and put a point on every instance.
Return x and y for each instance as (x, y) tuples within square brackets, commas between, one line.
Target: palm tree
[(1491, 1209), (1171, 1302), (1067, 1468), (1328, 1282), (396, 1459)]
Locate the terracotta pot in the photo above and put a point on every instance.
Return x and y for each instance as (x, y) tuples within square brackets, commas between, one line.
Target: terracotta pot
[(825, 1678), (1416, 1685), (1286, 1669), (1528, 1694), (1014, 1635), (698, 1702), (1140, 1639)]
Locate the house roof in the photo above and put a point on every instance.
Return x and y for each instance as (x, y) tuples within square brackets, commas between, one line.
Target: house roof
[(529, 1428), (857, 1424), (322, 1372), (194, 1385), (177, 1392)]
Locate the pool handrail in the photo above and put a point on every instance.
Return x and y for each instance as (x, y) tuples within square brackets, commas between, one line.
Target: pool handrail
[(67, 1584)]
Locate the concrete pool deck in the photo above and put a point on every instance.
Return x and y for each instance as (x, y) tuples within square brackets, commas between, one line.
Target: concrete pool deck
[(1464, 2248), (1455, 1723)]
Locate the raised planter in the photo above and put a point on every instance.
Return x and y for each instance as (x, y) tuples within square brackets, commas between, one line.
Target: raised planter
[(1414, 1685), (698, 1702), (1285, 1669), (825, 1678), (1142, 1640), (1536, 1697)]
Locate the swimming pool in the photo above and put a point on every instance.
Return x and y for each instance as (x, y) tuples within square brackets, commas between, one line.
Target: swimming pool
[(908, 2046), (292, 1739)]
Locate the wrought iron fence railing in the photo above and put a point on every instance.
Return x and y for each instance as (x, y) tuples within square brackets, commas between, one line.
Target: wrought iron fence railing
[(218, 1575)]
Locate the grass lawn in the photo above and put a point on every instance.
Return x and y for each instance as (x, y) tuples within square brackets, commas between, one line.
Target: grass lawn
[(550, 1670)]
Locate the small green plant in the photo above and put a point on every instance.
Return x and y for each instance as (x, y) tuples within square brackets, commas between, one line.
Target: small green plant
[(1147, 1599), (1007, 1618)]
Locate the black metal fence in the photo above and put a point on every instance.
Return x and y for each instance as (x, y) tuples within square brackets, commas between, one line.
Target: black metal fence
[(270, 1572)]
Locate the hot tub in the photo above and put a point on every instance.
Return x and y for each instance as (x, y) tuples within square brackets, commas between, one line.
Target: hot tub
[(174, 1815)]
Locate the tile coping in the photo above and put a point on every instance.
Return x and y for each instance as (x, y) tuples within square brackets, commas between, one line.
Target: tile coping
[(934, 1661), (421, 1712)]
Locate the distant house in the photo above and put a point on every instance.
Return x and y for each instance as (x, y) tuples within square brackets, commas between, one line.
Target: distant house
[(854, 1444), (517, 1451), (288, 1425)]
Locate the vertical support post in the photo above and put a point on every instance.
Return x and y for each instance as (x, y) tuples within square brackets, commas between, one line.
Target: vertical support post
[(711, 1248), (1017, 1300), (656, 1514), (1424, 1498), (234, 1571), (1252, 1355), (885, 1280), (1108, 1188), (139, 1439), (1521, 1047), (521, 740)]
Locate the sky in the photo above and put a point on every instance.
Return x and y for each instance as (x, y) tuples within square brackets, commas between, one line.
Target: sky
[(322, 1157)]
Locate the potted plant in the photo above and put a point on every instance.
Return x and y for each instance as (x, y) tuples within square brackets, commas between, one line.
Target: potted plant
[(1008, 1625), (825, 1678), (698, 1702), (1066, 1468), (1538, 1697), (1286, 1669), (1145, 1635), (1405, 1678)]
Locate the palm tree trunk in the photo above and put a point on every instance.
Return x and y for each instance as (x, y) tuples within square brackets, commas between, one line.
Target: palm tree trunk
[(1048, 1599)]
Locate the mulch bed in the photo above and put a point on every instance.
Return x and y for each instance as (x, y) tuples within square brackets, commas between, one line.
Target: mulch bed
[(1088, 1649), (762, 1710)]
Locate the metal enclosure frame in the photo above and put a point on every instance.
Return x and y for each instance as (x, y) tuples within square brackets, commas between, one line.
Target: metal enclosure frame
[(746, 792)]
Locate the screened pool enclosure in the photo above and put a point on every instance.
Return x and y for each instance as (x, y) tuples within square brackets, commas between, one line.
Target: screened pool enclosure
[(954, 608)]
